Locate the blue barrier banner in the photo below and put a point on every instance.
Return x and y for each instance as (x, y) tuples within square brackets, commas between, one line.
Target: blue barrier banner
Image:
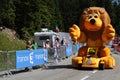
[(27, 58), (68, 50), (77, 47)]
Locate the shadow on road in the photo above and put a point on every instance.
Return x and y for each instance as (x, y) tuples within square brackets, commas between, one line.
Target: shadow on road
[(13, 72), (60, 67), (69, 67)]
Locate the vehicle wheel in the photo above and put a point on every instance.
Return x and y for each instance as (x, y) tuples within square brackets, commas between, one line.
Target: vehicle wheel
[(80, 66), (66, 56), (101, 66)]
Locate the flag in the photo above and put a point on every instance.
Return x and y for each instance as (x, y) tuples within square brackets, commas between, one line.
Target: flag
[(57, 29)]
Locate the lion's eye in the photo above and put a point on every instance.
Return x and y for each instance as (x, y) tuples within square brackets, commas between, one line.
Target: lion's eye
[(90, 16), (96, 15)]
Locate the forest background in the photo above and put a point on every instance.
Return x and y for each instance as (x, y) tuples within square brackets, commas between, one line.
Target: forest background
[(28, 16)]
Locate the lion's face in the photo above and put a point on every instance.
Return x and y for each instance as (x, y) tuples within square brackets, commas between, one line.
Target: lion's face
[(94, 18), (93, 21)]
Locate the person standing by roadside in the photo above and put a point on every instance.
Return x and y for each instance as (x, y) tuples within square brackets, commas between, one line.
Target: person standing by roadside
[(64, 42), (34, 45), (47, 44), (29, 45), (56, 50), (46, 47)]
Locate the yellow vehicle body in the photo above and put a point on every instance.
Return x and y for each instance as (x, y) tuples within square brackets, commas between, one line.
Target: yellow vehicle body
[(85, 62), (92, 61)]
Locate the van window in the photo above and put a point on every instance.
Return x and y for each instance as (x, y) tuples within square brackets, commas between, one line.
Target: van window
[(44, 37)]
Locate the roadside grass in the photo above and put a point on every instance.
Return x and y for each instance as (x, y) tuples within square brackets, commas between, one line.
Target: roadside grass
[(9, 45)]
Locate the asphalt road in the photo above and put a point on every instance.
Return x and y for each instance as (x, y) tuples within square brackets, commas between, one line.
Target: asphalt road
[(64, 71)]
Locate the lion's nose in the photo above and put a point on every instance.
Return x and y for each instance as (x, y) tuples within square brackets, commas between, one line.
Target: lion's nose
[(92, 21)]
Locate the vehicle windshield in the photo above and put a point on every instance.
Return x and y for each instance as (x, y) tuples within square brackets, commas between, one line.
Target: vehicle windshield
[(44, 37)]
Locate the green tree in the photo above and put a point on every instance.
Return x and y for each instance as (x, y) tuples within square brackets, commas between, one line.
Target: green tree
[(56, 18), (32, 15), (117, 17), (7, 15), (70, 11), (29, 16)]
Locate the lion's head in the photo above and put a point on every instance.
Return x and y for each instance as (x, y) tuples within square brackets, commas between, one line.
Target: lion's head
[(94, 19)]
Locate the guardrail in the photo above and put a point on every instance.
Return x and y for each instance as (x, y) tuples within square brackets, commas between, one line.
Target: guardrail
[(27, 58)]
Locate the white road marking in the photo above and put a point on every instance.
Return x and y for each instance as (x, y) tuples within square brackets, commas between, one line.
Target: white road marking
[(84, 77), (87, 76), (94, 71)]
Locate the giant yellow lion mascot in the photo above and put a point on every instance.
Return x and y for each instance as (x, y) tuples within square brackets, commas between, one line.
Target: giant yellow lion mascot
[(96, 31)]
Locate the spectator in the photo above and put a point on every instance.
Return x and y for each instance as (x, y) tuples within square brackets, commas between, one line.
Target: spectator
[(74, 42), (118, 47), (64, 42), (29, 45), (47, 44), (45, 59), (56, 50), (34, 45)]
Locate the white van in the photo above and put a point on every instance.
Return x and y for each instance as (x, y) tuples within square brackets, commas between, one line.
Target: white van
[(41, 37)]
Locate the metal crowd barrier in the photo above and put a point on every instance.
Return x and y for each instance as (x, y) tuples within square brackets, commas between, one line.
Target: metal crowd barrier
[(26, 58), (64, 51), (7, 61)]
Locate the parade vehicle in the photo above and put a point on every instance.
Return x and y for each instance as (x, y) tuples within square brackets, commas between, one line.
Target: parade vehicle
[(97, 33), (89, 61)]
